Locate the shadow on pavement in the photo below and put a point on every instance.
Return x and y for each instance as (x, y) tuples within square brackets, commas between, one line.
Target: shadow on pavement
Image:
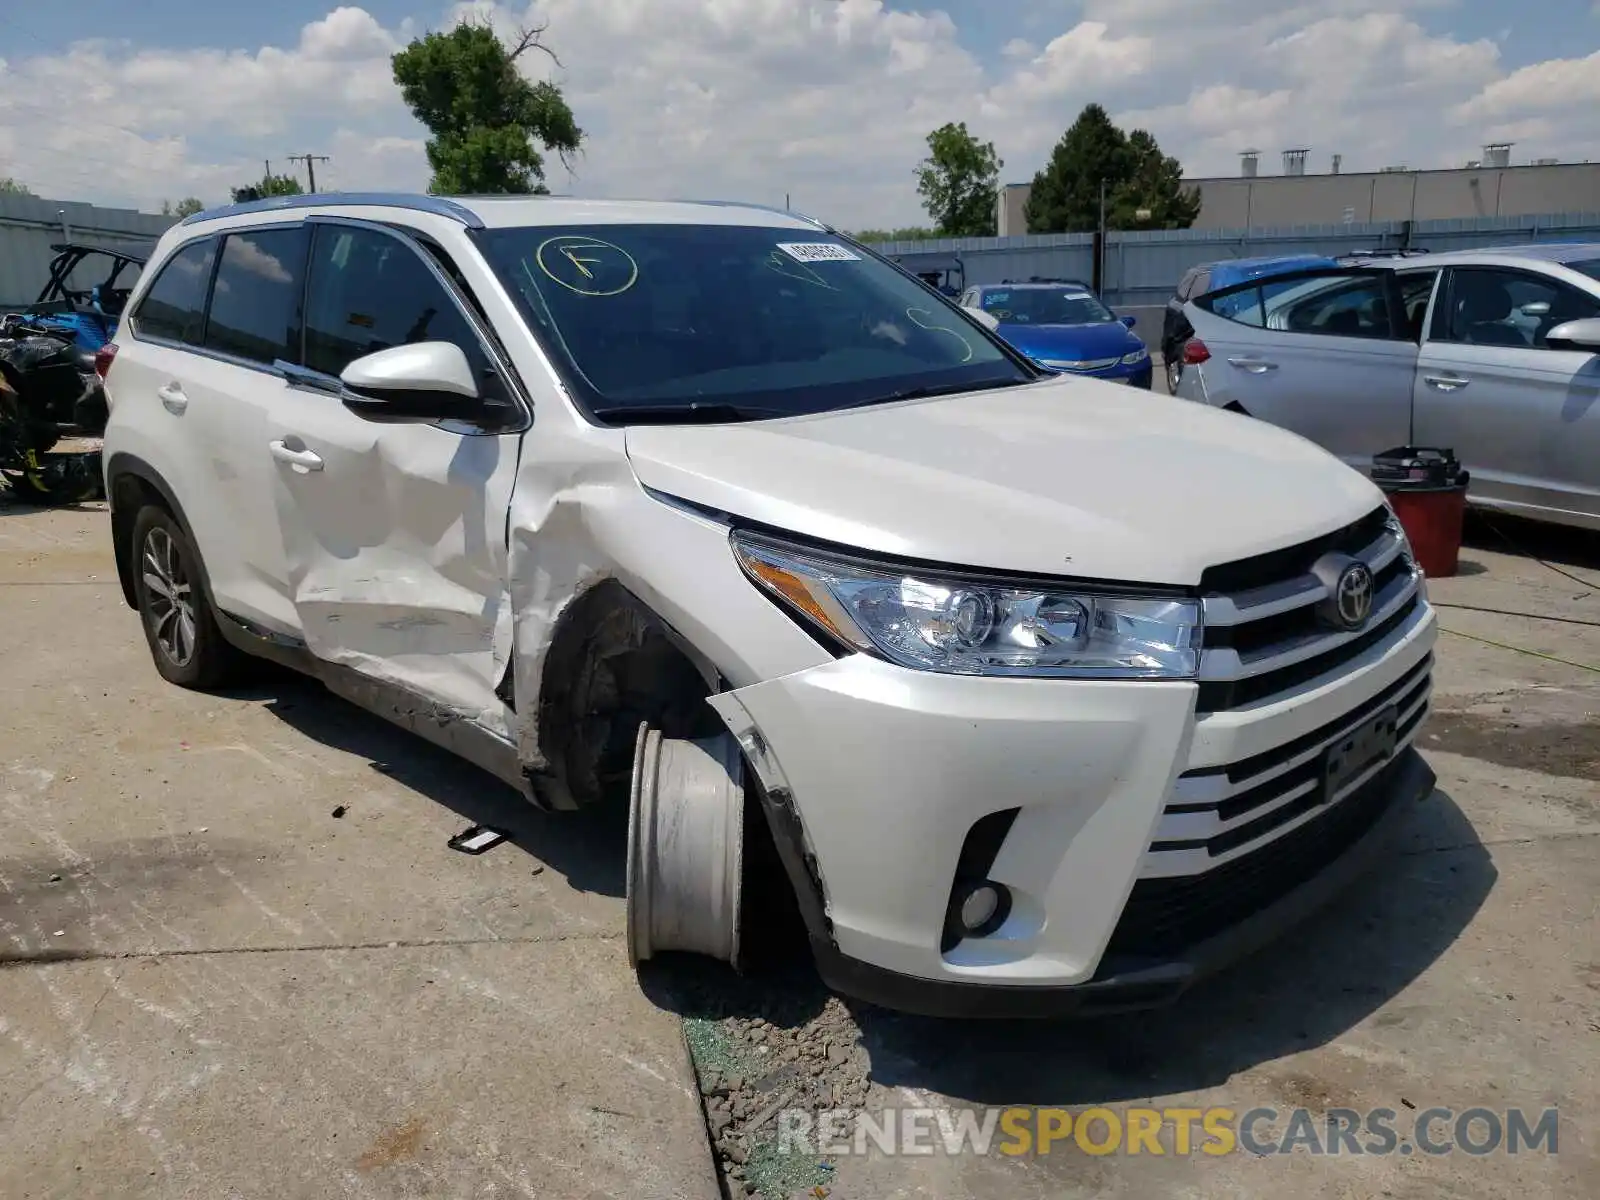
[(587, 847), (1302, 992), (1561, 544)]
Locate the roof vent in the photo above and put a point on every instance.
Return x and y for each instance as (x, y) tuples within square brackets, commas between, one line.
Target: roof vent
[(1249, 163), (1497, 154), (1294, 161)]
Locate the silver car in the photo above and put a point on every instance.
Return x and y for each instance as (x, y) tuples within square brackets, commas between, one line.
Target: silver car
[(1494, 353)]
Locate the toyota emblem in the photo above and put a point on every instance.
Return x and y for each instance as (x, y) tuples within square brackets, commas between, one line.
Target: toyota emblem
[(1352, 596)]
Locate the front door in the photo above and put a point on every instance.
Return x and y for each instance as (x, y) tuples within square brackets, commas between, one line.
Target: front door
[(395, 533), (1523, 417), (1322, 353)]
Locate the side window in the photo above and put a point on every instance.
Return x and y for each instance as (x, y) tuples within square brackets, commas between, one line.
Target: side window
[(174, 307), (1331, 305), (1416, 288), (369, 291), (255, 303), (1494, 306)]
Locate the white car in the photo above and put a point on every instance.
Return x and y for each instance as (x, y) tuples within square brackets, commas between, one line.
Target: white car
[(1494, 353), (1053, 696)]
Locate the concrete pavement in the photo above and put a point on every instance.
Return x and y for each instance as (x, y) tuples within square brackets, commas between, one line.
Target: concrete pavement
[(211, 985)]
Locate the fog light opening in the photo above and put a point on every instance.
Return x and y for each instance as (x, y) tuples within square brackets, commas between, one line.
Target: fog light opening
[(982, 907)]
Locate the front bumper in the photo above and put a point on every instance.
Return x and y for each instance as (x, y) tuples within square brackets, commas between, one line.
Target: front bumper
[(880, 778)]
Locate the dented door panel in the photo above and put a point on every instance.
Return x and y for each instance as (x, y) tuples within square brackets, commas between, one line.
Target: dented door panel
[(396, 548)]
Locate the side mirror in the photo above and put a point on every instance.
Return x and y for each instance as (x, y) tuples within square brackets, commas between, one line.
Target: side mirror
[(423, 381), (988, 320), (1583, 334), (1535, 308), (1129, 320)]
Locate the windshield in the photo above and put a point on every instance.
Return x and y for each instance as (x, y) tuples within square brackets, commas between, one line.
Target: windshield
[(1045, 306), (648, 320), (1589, 267)]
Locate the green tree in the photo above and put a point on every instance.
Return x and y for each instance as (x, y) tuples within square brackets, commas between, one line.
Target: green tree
[(268, 185), (13, 187), (914, 233), (186, 207), (484, 116), (1065, 197), (959, 182)]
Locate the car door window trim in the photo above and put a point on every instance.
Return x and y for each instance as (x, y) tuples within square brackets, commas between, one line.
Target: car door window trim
[(411, 240)]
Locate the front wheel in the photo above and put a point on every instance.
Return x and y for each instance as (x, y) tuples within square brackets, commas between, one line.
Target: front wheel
[(185, 643)]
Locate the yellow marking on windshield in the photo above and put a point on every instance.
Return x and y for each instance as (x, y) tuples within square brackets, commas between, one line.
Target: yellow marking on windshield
[(588, 266), (965, 345), (786, 266)]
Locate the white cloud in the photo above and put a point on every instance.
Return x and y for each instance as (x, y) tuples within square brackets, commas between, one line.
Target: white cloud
[(825, 100)]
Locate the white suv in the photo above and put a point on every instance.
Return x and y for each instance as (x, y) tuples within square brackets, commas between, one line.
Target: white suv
[(1051, 695)]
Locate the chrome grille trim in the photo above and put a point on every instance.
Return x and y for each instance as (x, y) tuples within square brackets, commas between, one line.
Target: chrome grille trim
[(1289, 594), (1223, 663), (1216, 814)]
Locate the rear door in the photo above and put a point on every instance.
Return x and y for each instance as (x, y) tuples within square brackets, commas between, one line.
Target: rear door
[(1323, 353), (188, 397), (1523, 417), (395, 533)]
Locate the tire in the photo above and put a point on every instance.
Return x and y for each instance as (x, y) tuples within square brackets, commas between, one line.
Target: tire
[(179, 625)]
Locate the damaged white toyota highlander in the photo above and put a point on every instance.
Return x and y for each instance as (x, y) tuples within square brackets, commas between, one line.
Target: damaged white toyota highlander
[(1049, 695)]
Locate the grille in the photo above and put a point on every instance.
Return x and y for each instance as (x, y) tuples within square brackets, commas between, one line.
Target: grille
[(1262, 633), (1164, 917), (1216, 813)]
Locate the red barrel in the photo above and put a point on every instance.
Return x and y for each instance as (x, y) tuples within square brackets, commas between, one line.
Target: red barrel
[(1428, 491)]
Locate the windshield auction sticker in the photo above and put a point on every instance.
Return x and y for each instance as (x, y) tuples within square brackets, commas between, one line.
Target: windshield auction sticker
[(810, 252), (587, 265)]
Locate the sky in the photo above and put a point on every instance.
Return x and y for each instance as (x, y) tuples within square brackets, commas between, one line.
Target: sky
[(826, 102)]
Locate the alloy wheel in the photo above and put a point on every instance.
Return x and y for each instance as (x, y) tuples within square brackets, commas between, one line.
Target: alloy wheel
[(169, 597)]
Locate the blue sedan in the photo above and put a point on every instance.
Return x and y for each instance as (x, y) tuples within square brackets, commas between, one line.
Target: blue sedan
[(1064, 327)]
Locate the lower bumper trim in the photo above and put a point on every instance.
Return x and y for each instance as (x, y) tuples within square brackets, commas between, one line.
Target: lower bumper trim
[(1121, 986)]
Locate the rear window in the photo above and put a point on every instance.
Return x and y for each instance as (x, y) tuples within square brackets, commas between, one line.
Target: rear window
[(785, 320), (174, 307), (255, 303), (1045, 306)]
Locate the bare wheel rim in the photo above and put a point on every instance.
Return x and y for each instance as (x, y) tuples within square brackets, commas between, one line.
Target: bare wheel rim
[(169, 597), (1173, 373)]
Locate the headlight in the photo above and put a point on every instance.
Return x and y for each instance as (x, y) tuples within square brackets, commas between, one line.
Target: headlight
[(1136, 356), (969, 627)]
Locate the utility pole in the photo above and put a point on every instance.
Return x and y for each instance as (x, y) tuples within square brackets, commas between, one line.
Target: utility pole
[(311, 161)]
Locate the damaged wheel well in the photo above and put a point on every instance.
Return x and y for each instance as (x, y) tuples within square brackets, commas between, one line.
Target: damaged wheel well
[(612, 665)]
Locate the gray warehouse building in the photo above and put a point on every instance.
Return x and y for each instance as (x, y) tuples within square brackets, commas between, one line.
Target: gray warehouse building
[(1486, 187)]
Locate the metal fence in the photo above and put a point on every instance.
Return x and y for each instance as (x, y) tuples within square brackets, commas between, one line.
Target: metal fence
[(30, 225), (1141, 269)]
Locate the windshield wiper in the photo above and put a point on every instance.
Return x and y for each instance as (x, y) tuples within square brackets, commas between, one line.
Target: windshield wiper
[(699, 412), (943, 389)]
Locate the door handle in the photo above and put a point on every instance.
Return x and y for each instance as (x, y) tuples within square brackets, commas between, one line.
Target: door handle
[(172, 397), (1446, 383), (300, 460), (1256, 366)]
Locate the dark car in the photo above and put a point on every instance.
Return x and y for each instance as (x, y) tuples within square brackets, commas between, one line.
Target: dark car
[(1211, 277)]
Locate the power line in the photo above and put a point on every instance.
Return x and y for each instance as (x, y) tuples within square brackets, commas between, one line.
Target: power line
[(311, 161)]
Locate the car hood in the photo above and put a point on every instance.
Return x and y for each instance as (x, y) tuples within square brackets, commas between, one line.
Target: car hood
[(1102, 339), (1063, 477)]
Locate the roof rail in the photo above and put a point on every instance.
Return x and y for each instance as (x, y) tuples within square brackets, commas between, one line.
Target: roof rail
[(441, 206), (771, 208)]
